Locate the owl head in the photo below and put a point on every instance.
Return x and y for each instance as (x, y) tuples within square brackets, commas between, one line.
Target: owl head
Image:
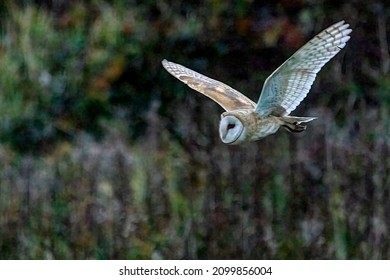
[(231, 128)]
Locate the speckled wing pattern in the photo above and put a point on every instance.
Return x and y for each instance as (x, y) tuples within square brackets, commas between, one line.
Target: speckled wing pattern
[(227, 97), (288, 85)]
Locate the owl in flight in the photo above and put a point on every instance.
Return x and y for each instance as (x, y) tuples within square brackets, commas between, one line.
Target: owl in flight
[(282, 91)]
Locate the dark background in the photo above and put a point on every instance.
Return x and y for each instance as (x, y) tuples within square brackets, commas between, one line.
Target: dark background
[(104, 155)]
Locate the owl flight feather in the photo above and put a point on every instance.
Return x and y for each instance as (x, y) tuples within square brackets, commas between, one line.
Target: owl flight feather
[(282, 91)]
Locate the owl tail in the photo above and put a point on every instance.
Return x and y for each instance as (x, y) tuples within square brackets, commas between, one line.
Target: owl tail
[(294, 124)]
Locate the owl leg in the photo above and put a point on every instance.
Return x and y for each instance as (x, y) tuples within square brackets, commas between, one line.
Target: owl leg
[(294, 124), (294, 127)]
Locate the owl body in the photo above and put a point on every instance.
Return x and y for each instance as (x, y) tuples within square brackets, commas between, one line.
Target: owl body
[(243, 125), (282, 92)]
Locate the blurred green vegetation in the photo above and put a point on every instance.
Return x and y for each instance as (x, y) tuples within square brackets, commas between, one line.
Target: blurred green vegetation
[(104, 155)]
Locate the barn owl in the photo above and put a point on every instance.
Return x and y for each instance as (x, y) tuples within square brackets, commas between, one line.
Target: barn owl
[(244, 120)]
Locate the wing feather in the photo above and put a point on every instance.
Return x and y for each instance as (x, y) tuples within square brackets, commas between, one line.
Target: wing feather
[(288, 85), (227, 97)]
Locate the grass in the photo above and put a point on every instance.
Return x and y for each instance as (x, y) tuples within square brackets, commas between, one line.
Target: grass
[(279, 198)]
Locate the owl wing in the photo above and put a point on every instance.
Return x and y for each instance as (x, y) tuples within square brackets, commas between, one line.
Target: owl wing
[(288, 85), (228, 98)]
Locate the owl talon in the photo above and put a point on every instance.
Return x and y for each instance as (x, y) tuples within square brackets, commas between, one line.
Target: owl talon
[(295, 127)]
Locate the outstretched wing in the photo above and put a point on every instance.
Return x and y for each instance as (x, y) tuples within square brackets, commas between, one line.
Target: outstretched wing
[(228, 98), (289, 84)]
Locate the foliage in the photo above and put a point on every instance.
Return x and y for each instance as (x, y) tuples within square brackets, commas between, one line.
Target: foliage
[(106, 156)]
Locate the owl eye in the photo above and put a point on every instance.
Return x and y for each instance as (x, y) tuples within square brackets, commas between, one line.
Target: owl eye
[(231, 126)]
